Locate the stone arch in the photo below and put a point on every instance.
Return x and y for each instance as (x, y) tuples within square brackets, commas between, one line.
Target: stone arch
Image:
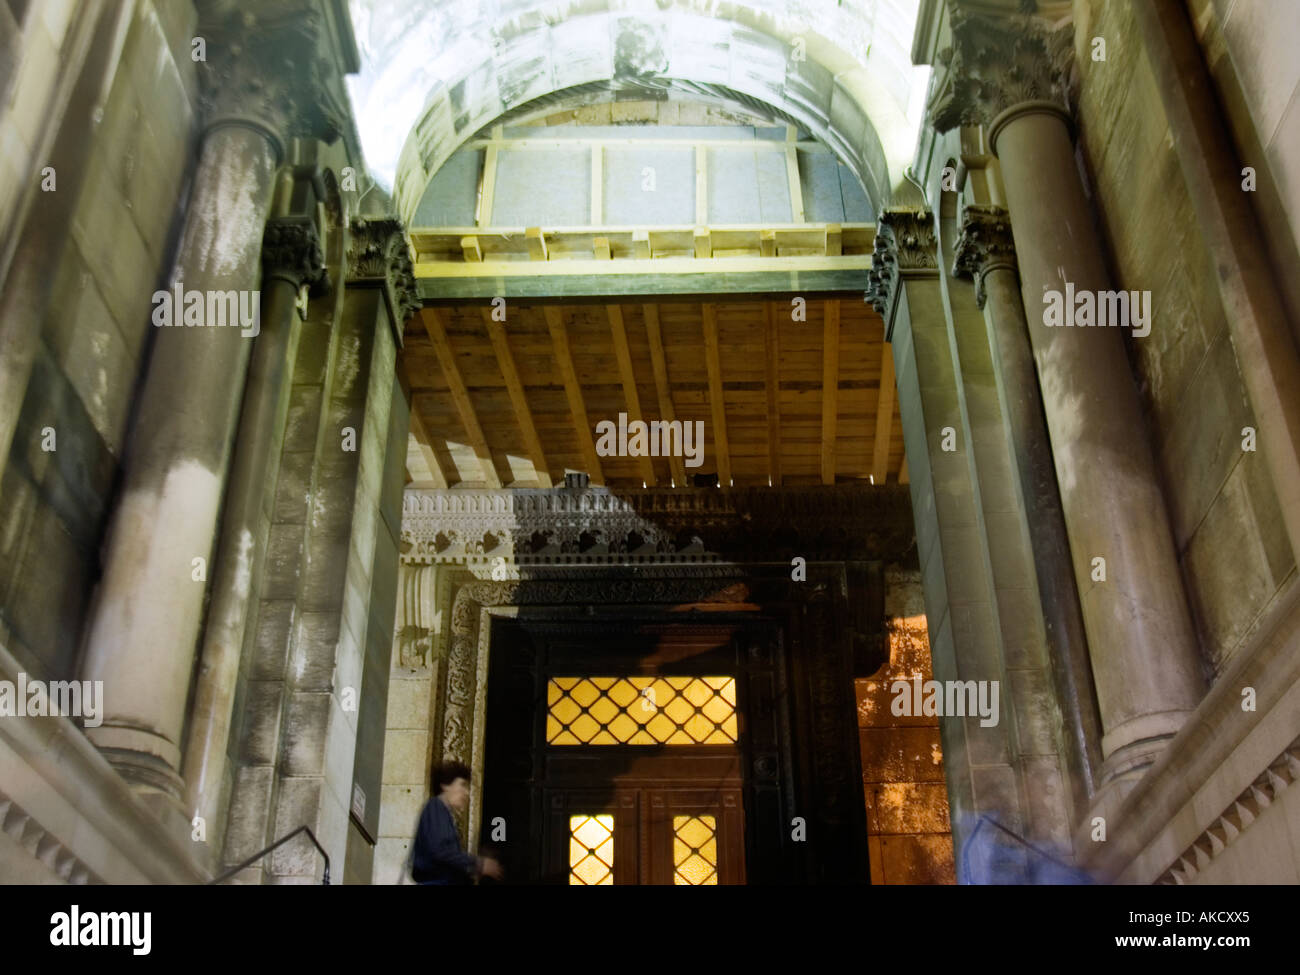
[(752, 55)]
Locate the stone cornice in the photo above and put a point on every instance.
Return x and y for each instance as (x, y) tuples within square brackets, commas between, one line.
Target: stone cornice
[(291, 250), (985, 243), (378, 254), (994, 63), (905, 245), (274, 67), (595, 527), (1267, 788)]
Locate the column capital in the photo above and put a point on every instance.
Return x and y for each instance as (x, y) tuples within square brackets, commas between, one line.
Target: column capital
[(985, 243), (378, 254), (995, 63), (291, 250), (276, 68), (905, 245)]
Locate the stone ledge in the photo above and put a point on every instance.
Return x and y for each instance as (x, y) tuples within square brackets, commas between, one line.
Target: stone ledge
[(68, 790)]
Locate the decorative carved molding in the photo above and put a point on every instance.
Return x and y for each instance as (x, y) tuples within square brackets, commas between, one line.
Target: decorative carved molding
[(378, 253), (994, 63), (1281, 773), (43, 845), (535, 528), (273, 66), (905, 244), (985, 243), (291, 250)]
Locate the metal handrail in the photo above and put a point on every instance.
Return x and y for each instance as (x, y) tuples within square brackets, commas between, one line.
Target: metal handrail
[(1080, 875), (280, 842)]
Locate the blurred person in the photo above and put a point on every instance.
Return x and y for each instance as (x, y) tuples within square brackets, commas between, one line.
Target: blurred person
[(437, 857)]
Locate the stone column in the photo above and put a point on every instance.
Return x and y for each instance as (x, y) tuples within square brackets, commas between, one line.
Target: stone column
[(263, 82), (1145, 655), (291, 259), (986, 252), (982, 770)]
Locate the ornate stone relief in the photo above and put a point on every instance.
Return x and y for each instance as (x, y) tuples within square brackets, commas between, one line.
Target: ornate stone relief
[(592, 526), (291, 250), (996, 62), (272, 65), (905, 243), (985, 243), (378, 253)]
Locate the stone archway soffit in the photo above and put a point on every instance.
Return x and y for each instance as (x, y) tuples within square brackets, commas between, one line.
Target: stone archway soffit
[(440, 73)]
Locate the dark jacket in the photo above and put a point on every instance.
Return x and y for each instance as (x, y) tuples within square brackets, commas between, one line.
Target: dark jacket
[(437, 857)]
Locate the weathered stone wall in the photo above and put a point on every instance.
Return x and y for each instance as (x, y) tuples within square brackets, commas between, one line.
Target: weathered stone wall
[(1250, 50), (1227, 525), (96, 320), (910, 839)]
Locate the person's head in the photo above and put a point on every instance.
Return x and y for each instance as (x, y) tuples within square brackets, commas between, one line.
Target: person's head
[(451, 783)]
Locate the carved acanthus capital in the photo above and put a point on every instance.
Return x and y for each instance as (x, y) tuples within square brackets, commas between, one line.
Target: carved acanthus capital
[(996, 62), (378, 253), (905, 243), (291, 250), (272, 66), (985, 243)]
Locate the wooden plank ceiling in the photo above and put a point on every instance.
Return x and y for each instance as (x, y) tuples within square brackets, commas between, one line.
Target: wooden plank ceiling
[(516, 403)]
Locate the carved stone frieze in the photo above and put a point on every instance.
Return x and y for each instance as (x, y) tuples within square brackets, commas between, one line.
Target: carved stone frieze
[(498, 529), (378, 253), (985, 243), (996, 62)]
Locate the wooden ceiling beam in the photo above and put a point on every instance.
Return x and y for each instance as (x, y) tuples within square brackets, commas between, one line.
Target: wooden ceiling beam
[(659, 364), (717, 405), (772, 348), (884, 416), (624, 355), (515, 387), (437, 329), (573, 391), (830, 385), (425, 443)]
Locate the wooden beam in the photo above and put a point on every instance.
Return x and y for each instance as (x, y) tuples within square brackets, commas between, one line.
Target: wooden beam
[(834, 240), (495, 268), (437, 329), (641, 245), (488, 188), (523, 414), (659, 364), (772, 348), (425, 443), (536, 244), (717, 405), (624, 355), (600, 246), (573, 391), (830, 386), (703, 243), (701, 186), (902, 470), (469, 246), (796, 189), (884, 416), (767, 243)]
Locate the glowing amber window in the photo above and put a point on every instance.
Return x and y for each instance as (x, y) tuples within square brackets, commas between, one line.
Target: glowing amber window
[(695, 851), (591, 851), (641, 711)]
